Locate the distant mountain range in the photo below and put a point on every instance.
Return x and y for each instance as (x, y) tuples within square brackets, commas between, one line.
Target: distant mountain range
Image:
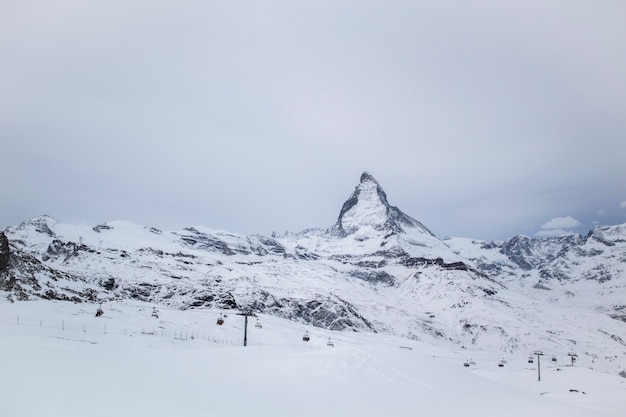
[(376, 269)]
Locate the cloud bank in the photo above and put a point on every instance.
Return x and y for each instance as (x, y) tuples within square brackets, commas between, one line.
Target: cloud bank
[(559, 226)]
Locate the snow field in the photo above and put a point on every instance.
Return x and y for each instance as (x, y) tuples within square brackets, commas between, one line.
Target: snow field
[(75, 371)]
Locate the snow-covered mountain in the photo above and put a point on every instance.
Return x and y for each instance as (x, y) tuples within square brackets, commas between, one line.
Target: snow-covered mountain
[(376, 269)]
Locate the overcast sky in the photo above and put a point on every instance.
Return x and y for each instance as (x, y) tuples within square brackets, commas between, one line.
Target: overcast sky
[(481, 119)]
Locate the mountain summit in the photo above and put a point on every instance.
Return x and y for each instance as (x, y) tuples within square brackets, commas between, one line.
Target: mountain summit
[(368, 207)]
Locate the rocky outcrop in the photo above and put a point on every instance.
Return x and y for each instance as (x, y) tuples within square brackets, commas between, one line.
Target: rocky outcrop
[(327, 312), (529, 253), (4, 252)]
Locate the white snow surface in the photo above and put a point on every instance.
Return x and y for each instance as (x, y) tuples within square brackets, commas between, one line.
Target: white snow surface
[(60, 360)]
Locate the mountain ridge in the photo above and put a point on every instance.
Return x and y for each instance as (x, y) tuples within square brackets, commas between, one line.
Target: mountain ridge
[(383, 274)]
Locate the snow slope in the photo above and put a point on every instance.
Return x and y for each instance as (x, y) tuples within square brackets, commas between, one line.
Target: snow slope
[(65, 362)]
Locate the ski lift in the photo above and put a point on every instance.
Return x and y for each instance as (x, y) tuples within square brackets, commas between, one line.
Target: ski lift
[(330, 344), (306, 337), (531, 360), (155, 312), (220, 320), (99, 311), (553, 358), (466, 364), (257, 324), (501, 364), (472, 362)]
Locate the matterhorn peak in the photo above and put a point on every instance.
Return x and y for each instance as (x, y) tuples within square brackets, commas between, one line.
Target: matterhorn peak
[(368, 207), (366, 176)]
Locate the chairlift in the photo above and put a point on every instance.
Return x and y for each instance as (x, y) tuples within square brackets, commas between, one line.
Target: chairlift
[(531, 359), (472, 362), (466, 364), (501, 364), (306, 337), (155, 312), (553, 358), (220, 320), (99, 311), (330, 344), (257, 324)]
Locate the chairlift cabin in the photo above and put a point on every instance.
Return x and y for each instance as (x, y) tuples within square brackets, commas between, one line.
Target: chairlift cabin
[(553, 358), (257, 324), (531, 359), (99, 311), (501, 364), (155, 313), (306, 337), (220, 320), (466, 364), (330, 344), (472, 362)]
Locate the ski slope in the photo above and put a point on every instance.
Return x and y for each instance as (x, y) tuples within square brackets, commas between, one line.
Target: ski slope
[(60, 360)]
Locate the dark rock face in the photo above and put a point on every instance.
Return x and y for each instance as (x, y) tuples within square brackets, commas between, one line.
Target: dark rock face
[(327, 312), (109, 284), (99, 228), (59, 249), (4, 252), (201, 240), (373, 276), (41, 225), (529, 253), (64, 250), (23, 278)]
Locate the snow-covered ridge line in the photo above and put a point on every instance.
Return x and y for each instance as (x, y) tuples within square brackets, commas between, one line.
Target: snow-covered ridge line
[(375, 270)]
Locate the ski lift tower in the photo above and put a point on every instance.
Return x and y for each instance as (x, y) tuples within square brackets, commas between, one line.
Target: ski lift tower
[(539, 354), (246, 314), (573, 356)]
